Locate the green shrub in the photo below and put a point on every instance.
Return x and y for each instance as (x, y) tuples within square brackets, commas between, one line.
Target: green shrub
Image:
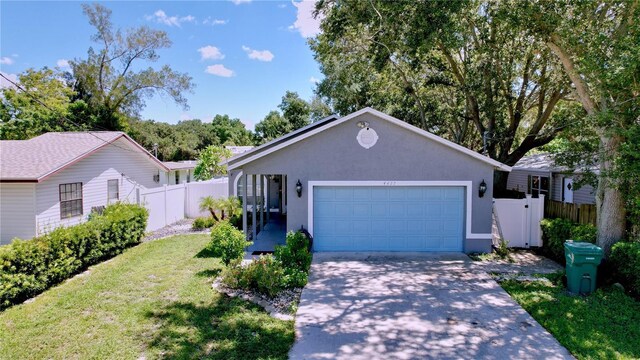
[(236, 220), (556, 231), (502, 250), (203, 223), (28, 267), (263, 275), (227, 242), (295, 259), (625, 260)]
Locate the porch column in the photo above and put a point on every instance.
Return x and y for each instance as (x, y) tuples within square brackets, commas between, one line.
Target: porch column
[(268, 198), (253, 207), (261, 202), (284, 194), (245, 198)]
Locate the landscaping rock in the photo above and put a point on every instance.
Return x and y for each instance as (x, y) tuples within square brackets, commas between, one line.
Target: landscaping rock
[(181, 227), (279, 307)]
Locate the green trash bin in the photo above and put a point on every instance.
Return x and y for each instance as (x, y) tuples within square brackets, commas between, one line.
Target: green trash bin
[(582, 266)]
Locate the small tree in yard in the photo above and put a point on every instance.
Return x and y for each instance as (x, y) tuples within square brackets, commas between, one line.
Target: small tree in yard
[(209, 163), (227, 242), (231, 205)]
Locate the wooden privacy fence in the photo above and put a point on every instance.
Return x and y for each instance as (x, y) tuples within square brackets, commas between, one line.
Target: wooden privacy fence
[(580, 213)]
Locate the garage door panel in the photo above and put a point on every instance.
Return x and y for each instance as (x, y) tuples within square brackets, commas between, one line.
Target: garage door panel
[(388, 218)]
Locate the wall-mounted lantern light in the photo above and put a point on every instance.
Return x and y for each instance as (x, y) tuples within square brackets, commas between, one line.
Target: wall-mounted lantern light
[(482, 188), (299, 188)]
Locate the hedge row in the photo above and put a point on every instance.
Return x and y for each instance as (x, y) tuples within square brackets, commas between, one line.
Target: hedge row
[(625, 261), (28, 267), (556, 231)]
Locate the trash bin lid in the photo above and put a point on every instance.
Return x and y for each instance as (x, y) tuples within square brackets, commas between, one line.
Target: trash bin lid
[(582, 247)]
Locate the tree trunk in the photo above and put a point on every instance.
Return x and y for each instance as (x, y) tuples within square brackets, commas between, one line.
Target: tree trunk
[(609, 200), (213, 215)]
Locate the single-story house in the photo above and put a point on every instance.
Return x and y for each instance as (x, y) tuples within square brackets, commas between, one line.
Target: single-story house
[(370, 182), (56, 179), (180, 172), (538, 174)]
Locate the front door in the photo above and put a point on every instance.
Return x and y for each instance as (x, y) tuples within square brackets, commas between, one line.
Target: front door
[(567, 190)]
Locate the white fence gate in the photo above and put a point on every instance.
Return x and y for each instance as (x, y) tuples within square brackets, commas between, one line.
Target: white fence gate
[(170, 203), (216, 188), (518, 221)]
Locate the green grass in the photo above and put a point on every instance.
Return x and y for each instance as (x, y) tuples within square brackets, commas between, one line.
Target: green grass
[(603, 325), (156, 301)]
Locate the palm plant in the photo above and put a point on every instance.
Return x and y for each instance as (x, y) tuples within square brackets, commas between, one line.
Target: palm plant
[(208, 203)]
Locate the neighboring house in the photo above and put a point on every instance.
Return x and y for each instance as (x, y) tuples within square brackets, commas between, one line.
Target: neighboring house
[(180, 172), (371, 182), (56, 179), (537, 174), (237, 150)]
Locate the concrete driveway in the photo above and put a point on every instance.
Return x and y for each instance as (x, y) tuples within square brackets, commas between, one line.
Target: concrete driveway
[(412, 306)]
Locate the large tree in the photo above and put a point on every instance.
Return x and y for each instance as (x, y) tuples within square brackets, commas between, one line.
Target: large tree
[(231, 131), (458, 69), (41, 104), (598, 44), (295, 110), (272, 126), (113, 81)]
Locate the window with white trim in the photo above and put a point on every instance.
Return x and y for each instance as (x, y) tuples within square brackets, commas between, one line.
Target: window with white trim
[(113, 191), (538, 185), (70, 200)]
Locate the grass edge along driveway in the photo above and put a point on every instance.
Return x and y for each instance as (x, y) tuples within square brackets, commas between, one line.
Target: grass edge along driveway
[(153, 301), (602, 325)]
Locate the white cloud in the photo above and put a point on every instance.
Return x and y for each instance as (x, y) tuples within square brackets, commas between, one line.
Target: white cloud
[(5, 60), (305, 23), (219, 70), (314, 80), (238, 2), (161, 17), (260, 55), (63, 63), (4, 83), (210, 53), (282, 6), (213, 22)]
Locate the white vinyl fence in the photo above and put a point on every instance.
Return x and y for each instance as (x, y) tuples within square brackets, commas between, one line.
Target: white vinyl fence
[(170, 203), (518, 221), (216, 188)]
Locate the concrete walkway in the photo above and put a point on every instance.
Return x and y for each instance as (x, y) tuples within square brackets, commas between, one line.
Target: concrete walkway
[(412, 306)]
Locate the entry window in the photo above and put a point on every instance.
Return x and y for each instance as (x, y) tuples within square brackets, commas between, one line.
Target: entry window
[(70, 200), (538, 185), (113, 191), (177, 177)]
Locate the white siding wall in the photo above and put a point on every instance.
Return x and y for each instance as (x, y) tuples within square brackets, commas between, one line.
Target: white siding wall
[(17, 211), (108, 163), (584, 195)]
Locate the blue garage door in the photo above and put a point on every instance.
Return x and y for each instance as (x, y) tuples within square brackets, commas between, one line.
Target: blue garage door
[(372, 218)]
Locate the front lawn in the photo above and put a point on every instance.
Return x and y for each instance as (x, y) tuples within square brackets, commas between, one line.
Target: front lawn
[(603, 325), (153, 301)]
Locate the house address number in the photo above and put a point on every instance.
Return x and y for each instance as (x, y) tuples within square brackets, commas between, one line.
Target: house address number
[(389, 183)]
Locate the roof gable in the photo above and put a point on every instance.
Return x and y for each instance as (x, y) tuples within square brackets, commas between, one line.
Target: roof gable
[(35, 159), (288, 140)]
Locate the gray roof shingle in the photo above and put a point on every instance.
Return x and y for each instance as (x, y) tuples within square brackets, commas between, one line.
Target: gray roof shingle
[(33, 159)]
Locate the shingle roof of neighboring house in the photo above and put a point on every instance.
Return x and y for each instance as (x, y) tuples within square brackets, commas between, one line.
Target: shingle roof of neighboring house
[(235, 150), (34, 159), (546, 162), (180, 165)]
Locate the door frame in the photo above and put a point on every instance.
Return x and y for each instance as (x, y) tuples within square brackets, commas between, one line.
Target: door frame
[(468, 185)]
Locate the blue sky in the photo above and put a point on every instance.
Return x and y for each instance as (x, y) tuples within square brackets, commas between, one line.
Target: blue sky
[(243, 55)]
